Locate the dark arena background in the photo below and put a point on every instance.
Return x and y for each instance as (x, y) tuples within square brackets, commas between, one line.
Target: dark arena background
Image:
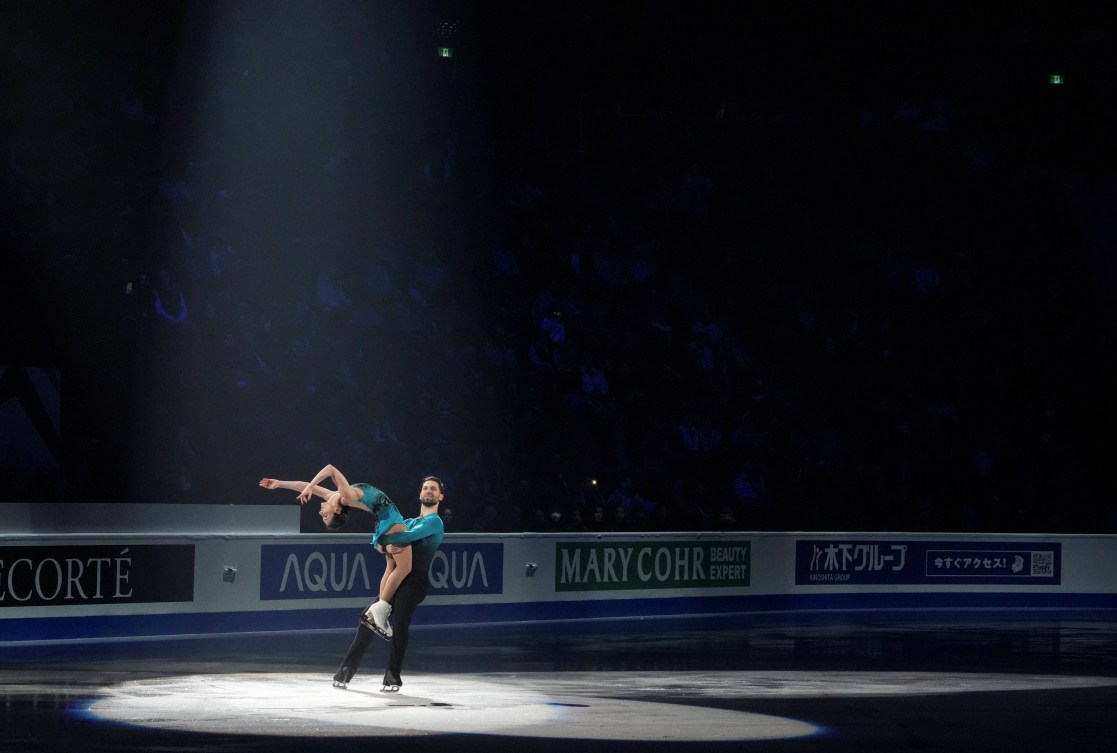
[(611, 270), (804, 265)]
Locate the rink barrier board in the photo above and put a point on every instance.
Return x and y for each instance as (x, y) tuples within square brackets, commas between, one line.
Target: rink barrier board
[(133, 585), (916, 607)]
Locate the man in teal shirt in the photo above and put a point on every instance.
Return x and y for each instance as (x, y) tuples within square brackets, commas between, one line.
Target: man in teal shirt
[(424, 535)]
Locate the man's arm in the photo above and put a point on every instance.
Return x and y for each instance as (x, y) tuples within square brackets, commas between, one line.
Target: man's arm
[(295, 486), (428, 525)]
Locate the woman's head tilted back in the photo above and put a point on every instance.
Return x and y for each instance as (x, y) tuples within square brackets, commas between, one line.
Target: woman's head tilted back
[(334, 514)]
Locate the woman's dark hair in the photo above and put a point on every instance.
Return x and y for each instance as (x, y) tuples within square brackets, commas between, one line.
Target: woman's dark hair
[(339, 519)]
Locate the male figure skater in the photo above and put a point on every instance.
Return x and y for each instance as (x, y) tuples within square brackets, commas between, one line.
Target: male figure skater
[(424, 536)]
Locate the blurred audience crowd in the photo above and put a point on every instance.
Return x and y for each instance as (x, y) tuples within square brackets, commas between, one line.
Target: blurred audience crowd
[(751, 317)]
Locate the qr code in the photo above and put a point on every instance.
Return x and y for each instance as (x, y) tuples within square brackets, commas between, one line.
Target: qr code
[(1043, 563)]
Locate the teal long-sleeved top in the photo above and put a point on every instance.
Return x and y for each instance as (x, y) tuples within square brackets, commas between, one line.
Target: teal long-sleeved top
[(428, 526), (425, 536)]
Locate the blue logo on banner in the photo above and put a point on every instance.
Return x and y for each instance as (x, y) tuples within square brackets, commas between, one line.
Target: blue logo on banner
[(468, 569), (838, 562), (335, 571)]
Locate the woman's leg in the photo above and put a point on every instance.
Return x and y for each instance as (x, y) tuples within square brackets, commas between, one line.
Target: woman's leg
[(399, 564), (389, 566), (396, 567), (397, 570)]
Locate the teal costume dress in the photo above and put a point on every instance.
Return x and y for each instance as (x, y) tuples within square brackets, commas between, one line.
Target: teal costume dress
[(385, 510)]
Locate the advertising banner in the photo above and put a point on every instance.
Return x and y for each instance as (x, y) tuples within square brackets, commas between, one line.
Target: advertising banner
[(857, 562), (628, 565), (336, 571), (32, 576)]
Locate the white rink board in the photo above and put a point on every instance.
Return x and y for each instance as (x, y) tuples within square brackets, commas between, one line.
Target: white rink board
[(49, 579)]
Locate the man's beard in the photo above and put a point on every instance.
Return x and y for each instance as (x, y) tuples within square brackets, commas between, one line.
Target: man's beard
[(428, 501)]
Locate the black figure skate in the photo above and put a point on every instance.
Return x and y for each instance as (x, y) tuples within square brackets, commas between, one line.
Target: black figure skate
[(392, 683), (343, 676)]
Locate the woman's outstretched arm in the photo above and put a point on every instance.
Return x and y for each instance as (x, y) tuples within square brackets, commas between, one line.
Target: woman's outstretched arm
[(295, 486)]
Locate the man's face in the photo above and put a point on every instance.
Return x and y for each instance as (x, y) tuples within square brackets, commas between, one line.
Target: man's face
[(430, 494)]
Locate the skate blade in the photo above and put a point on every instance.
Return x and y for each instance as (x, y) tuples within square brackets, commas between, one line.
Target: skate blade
[(385, 634)]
